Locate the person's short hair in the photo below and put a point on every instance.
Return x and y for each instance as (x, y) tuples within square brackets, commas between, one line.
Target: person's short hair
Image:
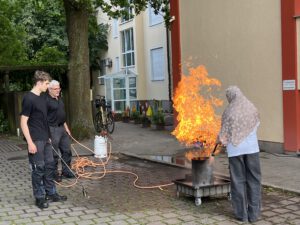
[(40, 76), (53, 83)]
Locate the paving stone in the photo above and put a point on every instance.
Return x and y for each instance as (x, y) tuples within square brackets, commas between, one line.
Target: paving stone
[(70, 219), (45, 213), (41, 218), (226, 223), (53, 221), (11, 218), (88, 217), (138, 215), (172, 221), (102, 220), (269, 213), (37, 223), (89, 211), (23, 221), (156, 223), (286, 202), (263, 222), (104, 214), (295, 199), (85, 222), (132, 221), (155, 218), (62, 210), (76, 213), (120, 222), (281, 210), (289, 215), (293, 207), (118, 202), (276, 220), (170, 215), (78, 208)]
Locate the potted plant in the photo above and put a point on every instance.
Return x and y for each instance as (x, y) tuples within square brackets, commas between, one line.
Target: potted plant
[(135, 116), (126, 115), (145, 121), (158, 120), (146, 114)]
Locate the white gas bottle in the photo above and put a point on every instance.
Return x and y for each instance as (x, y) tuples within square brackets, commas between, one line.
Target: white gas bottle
[(100, 147)]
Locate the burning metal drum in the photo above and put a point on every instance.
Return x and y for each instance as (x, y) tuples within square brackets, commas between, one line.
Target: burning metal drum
[(202, 172), (203, 182)]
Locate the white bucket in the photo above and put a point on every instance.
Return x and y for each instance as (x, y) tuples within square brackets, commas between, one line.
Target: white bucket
[(100, 147)]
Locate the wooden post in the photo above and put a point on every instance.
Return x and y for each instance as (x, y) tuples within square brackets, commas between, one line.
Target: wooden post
[(6, 81)]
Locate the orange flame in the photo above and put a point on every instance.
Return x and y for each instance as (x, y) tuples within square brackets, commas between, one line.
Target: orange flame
[(195, 103)]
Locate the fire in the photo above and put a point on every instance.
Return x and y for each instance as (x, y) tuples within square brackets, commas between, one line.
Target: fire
[(195, 103)]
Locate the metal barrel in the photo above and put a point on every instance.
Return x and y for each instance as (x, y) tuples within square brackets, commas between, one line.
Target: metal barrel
[(202, 172)]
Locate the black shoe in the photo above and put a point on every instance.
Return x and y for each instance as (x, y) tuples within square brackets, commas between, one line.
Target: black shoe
[(68, 175), (56, 198), (41, 203), (58, 178)]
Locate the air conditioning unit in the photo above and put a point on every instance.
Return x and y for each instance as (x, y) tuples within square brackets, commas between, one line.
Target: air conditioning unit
[(108, 62)]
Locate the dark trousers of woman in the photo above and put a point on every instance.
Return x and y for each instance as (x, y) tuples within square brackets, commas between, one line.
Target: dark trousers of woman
[(42, 170), (245, 177), (61, 142)]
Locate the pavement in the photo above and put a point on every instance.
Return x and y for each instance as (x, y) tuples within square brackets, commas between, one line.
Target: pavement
[(278, 170), (157, 158)]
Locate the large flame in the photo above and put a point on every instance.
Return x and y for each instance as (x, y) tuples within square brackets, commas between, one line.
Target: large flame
[(195, 102)]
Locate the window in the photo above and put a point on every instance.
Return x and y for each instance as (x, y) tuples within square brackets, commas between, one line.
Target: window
[(132, 91), (120, 91), (119, 94), (129, 15), (127, 47), (117, 64), (153, 18), (115, 28), (157, 64)]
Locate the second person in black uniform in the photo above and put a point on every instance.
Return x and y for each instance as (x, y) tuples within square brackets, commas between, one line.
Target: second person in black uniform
[(59, 130)]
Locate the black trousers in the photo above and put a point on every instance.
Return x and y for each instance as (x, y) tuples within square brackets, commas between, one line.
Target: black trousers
[(61, 142), (245, 177), (42, 170)]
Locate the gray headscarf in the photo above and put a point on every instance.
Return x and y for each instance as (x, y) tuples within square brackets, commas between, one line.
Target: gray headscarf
[(238, 119)]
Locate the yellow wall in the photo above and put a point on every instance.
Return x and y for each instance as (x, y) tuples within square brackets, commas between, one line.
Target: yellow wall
[(239, 42), (154, 37), (145, 38)]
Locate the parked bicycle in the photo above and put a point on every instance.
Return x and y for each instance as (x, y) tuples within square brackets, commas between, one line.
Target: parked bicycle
[(104, 119)]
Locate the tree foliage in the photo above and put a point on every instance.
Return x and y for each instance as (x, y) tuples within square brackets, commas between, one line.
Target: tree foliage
[(97, 40), (12, 35), (44, 22), (34, 32)]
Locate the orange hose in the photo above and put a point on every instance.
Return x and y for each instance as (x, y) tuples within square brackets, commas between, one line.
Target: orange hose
[(81, 163)]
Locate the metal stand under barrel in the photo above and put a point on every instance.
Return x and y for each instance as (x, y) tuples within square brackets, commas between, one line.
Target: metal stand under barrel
[(203, 182)]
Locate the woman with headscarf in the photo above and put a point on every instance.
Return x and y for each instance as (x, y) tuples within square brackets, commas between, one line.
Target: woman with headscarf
[(240, 121)]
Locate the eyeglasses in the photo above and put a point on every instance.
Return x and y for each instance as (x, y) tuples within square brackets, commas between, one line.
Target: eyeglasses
[(56, 89)]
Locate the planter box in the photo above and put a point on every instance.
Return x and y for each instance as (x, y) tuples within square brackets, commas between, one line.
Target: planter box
[(125, 119)]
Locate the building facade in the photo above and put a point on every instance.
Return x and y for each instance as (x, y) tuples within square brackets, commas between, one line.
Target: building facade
[(252, 44), (135, 66)]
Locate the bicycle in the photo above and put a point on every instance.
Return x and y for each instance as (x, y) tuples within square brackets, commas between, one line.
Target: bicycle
[(104, 118)]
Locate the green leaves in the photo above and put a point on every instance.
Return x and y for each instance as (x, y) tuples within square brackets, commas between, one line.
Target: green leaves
[(12, 35)]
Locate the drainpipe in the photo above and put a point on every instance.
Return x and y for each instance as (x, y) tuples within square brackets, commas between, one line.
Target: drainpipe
[(169, 71)]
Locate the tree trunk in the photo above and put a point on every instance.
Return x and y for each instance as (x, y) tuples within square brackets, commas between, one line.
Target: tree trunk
[(81, 121)]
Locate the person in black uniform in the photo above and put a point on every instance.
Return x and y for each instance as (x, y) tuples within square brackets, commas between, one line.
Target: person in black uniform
[(59, 130), (35, 128)]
